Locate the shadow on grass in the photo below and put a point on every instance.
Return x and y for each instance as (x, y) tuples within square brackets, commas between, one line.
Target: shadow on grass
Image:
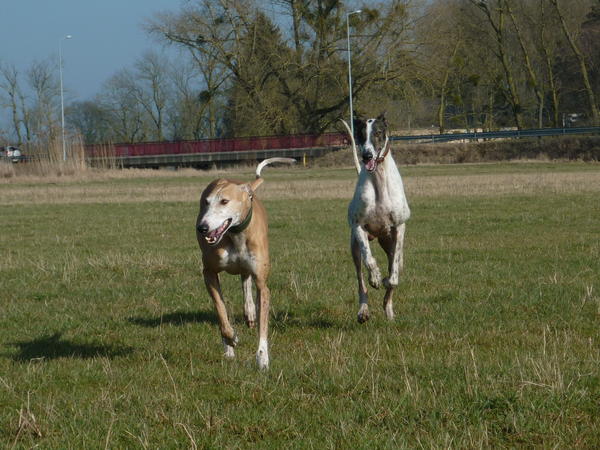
[(53, 347), (176, 318), (279, 320)]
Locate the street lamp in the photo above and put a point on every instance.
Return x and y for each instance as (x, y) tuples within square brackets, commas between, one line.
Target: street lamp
[(62, 100), (358, 11)]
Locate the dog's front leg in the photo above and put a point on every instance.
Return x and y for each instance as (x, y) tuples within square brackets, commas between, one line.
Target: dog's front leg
[(249, 306), (363, 300), (264, 299), (360, 235), (211, 279)]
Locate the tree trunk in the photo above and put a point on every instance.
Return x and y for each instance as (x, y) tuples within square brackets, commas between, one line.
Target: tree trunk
[(498, 28), (548, 60), (530, 71), (442, 106), (582, 64)]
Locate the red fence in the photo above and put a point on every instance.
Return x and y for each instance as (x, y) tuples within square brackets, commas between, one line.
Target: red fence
[(221, 145)]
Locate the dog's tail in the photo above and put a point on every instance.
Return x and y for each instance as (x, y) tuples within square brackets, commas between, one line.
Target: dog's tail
[(256, 183), (356, 162), (268, 161)]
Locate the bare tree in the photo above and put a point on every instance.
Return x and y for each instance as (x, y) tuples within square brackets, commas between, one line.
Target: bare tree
[(570, 34), (306, 81), (211, 32), (10, 86), (526, 51), (189, 104), (44, 110), (150, 86), (495, 12), (90, 120), (546, 44), (441, 39), (126, 115)]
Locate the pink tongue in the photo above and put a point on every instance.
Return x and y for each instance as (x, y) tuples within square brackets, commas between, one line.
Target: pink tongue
[(217, 232), (371, 164)]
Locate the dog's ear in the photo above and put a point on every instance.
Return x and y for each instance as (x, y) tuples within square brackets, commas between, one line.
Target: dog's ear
[(252, 186), (359, 130), (382, 118), (247, 189)]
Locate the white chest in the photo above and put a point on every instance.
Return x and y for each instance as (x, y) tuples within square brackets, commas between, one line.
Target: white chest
[(379, 199), (235, 258)]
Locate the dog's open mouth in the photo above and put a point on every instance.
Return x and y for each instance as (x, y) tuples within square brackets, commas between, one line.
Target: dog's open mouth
[(371, 164), (215, 235)]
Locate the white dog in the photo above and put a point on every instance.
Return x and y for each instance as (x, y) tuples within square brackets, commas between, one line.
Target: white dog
[(379, 209)]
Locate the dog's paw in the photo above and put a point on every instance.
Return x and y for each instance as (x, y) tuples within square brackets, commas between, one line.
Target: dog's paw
[(262, 356), (375, 278), (250, 321), (230, 341), (390, 283), (262, 360), (228, 351), (363, 314)]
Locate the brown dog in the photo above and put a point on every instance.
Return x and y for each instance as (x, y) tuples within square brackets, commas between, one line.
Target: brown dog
[(232, 233)]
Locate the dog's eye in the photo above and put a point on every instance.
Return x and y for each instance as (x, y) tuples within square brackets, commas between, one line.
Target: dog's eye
[(224, 201)]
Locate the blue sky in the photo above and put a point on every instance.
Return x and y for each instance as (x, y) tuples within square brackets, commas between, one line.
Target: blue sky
[(107, 36)]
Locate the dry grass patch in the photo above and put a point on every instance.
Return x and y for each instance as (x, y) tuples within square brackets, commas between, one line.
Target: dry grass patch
[(504, 184), (75, 170), (186, 185), (65, 175)]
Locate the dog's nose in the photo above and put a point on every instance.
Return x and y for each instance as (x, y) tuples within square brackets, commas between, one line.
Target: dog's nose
[(367, 156), (202, 228)]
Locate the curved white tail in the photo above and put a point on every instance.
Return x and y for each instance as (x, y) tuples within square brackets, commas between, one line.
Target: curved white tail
[(356, 162), (268, 161)]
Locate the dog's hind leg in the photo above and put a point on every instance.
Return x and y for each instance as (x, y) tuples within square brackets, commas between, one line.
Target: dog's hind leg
[(388, 243), (264, 298), (393, 247), (363, 300), (397, 260), (228, 336), (249, 306)]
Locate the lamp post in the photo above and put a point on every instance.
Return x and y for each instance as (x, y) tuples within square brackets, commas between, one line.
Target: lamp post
[(62, 100), (358, 11)]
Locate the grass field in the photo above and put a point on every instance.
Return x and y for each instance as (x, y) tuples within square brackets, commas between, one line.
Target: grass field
[(108, 337)]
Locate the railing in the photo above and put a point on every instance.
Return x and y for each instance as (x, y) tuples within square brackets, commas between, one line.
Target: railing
[(256, 143), (299, 141), (507, 134)]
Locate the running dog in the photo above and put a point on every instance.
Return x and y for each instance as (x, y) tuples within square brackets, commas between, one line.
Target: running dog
[(379, 209), (232, 233)]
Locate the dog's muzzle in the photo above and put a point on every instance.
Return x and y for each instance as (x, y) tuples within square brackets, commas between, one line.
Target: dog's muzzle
[(369, 161), (213, 237)]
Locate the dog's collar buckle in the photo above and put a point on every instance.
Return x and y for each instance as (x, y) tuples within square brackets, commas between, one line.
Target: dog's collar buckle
[(243, 224)]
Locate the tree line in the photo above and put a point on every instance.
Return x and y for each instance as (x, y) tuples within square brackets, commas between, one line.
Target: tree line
[(250, 67)]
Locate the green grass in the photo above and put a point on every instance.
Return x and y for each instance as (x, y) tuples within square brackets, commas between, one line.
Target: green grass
[(108, 337)]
